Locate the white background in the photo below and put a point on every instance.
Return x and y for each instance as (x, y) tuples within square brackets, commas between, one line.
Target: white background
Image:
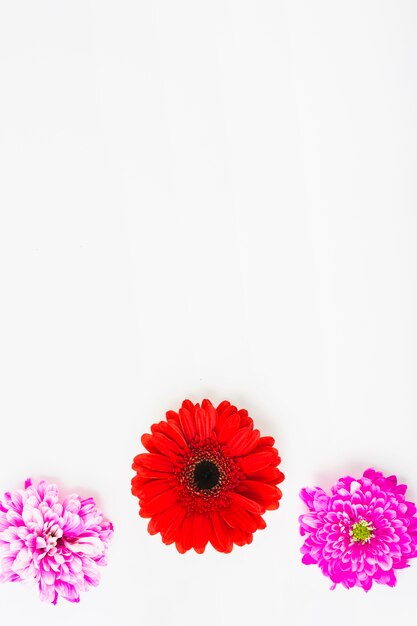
[(208, 199)]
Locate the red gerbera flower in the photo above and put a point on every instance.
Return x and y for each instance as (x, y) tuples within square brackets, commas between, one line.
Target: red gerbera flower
[(208, 476)]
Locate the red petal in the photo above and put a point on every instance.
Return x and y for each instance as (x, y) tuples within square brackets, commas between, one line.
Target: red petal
[(260, 492), (222, 407), (268, 475), (170, 523), (243, 441), (167, 446), (150, 474), (147, 442), (266, 441), (237, 517), (137, 482), (221, 534), (158, 428), (258, 460), (238, 441), (202, 420), (253, 442), (245, 420), (185, 539), (261, 524), (187, 404), (201, 532), (187, 424), (155, 462), (211, 414), (247, 503), (150, 489), (215, 543), (229, 427), (273, 506), (172, 416), (225, 410), (240, 538), (152, 528), (159, 503), (166, 520), (175, 433)]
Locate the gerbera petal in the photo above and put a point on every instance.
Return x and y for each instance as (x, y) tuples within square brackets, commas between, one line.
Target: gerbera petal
[(155, 462), (247, 503), (224, 411), (260, 522), (229, 428), (259, 491), (175, 433), (172, 416), (187, 404), (266, 441), (185, 539), (167, 522), (167, 446), (201, 532), (221, 533), (161, 502), (147, 442), (139, 481), (211, 415), (222, 407), (237, 517), (191, 483), (152, 488), (216, 544), (243, 441), (268, 474), (258, 460), (187, 424), (150, 474), (240, 537), (245, 420), (202, 421), (170, 528)]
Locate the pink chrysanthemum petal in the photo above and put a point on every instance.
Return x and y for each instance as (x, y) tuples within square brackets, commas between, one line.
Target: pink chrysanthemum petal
[(362, 532), (58, 544)]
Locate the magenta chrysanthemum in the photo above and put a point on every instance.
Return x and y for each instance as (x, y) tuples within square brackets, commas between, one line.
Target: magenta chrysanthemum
[(362, 532), (58, 544)]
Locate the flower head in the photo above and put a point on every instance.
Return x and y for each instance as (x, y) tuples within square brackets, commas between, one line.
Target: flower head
[(208, 476), (57, 543), (362, 532)]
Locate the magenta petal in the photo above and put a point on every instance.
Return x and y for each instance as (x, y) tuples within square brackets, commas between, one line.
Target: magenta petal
[(362, 533), (58, 543)]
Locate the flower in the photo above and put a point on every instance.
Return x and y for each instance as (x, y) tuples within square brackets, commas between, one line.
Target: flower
[(58, 544), (208, 476), (362, 533)]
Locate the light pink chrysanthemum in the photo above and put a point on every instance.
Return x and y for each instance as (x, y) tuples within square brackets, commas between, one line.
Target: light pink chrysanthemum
[(362, 532), (58, 544)]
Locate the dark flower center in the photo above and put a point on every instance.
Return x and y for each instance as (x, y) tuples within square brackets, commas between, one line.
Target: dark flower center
[(206, 475)]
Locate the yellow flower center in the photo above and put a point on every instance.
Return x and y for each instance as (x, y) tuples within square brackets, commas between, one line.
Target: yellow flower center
[(362, 531)]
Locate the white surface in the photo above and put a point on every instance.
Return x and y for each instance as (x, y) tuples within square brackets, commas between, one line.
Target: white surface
[(208, 199)]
